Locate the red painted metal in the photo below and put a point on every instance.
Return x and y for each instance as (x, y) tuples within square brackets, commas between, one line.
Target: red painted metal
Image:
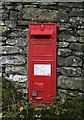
[(42, 62)]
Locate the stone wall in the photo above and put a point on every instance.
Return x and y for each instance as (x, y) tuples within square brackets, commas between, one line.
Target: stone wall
[(70, 42)]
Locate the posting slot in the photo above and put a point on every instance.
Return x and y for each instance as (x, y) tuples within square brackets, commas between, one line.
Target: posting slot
[(41, 37)]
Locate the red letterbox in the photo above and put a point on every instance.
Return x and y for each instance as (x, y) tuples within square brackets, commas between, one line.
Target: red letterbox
[(42, 63)]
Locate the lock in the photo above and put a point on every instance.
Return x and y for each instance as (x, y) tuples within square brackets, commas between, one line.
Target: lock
[(34, 93)]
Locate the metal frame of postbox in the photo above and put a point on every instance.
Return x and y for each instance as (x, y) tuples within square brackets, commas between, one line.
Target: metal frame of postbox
[(42, 62)]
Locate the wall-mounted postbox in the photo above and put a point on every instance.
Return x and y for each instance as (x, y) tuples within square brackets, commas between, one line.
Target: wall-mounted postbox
[(42, 63)]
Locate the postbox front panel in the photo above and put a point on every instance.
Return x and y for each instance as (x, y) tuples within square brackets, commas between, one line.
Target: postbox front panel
[(41, 63)]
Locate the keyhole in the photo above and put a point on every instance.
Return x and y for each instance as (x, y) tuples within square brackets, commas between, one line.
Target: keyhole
[(37, 85)]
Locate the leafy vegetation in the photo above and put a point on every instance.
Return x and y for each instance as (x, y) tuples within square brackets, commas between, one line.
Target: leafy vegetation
[(64, 107)]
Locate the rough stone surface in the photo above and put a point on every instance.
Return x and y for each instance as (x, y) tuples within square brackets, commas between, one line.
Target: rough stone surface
[(22, 84), (65, 36), (70, 82), (1, 22), (77, 12), (81, 25), (23, 22), (69, 61), (72, 39), (13, 15), (17, 41), (25, 91), (77, 46), (79, 54), (2, 38), (10, 49), (19, 6), (70, 92), (69, 17), (11, 24), (13, 59), (83, 62), (37, 14), (64, 52), (0, 75), (81, 39), (1, 43), (82, 73), (16, 69), (64, 26), (78, 5), (81, 32), (63, 44), (70, 71), (0, 68), (19, 78), (4, 16), (9, 7), (19, 33), (5, 28), (76, 19)]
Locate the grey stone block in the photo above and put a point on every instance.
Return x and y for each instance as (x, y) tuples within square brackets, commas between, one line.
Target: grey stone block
[(63, 44), (71, 71), (62, 16), (69, 61), (81, 39), (64, 26), (4, 16), (25, 91), (69, 92), (9, 7), (15, 7), (77, 12), (4, 29), (1, 43), (13, 59), (22, 84), (13, 15), (80, 26), (1, 68), (72, 39), (23, 22), (77, 46), (6, 3), (37, 14), (17, 41), (66, 36), (81, 32), (70, 82), (19, 7), (82, 72), (18, 78), (19, 33), (10, 50), (16, 69), (78, 5), (2, 38), (11, 24), (65, 4), (79, 54), (76, 19), (64, 52)]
